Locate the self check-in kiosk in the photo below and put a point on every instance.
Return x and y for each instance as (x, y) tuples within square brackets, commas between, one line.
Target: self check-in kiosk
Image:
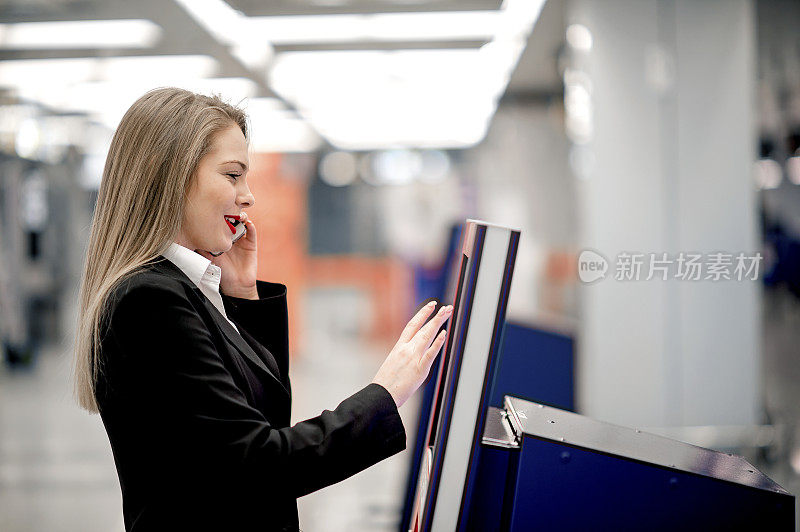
[(547, 377), (527, 466), (460, 403)]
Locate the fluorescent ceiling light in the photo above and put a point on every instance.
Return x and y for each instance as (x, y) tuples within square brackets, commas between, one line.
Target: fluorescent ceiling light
[(402, 63), (79, 34), (159, 67), (107, 101), (61, 72), (399, 124), (376, 135), (42, 71), (273, 128), (283, 135), (232, 28), (375, 99), (310, 78), (372, 99), (380, 99), (114, 99), (314, 29), (106, 87)]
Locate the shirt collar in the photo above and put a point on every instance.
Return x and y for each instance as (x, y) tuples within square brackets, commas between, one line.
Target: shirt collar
[(192, 264)]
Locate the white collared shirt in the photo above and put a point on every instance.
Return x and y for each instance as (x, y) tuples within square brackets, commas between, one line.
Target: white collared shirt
[(201, 272)]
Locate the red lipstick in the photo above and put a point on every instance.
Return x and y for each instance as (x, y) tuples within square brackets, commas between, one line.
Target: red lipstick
[(231, 226)]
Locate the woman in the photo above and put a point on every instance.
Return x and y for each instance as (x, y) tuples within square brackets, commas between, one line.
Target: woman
[(184, 353)]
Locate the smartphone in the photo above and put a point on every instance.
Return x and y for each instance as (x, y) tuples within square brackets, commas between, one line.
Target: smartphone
[(240, 230)]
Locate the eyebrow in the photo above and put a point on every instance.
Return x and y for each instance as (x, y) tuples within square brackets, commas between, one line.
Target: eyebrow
[(240, 163)]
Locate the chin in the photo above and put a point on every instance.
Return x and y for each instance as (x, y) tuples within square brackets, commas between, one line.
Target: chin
[(218, 248)]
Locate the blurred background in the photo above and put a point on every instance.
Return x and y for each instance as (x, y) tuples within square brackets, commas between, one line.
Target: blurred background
[(378, 127)]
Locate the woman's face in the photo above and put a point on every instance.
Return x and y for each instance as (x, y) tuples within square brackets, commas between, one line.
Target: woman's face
[(220, 189)]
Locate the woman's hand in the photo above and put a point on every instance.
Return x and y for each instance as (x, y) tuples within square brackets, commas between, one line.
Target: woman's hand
[(410, 359), (239, 264)]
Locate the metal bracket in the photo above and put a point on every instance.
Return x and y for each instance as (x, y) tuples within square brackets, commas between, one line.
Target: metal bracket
[(499, 431)]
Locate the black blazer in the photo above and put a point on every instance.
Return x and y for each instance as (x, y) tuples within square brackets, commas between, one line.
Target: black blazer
[(198, 415)]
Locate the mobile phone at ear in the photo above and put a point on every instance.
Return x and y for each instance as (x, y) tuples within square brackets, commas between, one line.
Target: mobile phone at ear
[(240, 230)]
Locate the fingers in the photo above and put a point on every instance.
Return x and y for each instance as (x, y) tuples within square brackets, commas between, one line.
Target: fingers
[(250, 238), (251, 230), (425, 336), (434, 349), (416, 322)]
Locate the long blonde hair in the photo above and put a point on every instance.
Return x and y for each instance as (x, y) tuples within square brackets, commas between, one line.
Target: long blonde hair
[(149, 171)]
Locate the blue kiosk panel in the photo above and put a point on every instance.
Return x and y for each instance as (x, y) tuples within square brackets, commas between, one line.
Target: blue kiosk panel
[(544, 469), (535, 364)]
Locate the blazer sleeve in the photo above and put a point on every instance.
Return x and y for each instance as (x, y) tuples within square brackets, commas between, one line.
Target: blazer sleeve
[(265, 319), (171, 369)]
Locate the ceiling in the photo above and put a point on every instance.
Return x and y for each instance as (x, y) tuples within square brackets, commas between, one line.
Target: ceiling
[(184, 33)]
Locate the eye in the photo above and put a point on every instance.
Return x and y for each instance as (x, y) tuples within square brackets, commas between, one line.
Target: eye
[(233, 175)]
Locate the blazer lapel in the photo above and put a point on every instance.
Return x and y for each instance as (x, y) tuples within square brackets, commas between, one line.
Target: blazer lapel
[(170, 269)]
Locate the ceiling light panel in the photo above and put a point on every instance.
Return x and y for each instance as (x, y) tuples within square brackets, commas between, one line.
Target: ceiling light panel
[(274, 128), (307, 78), (372, 99), (378, 99), (467, 25), (83, 34), (61, 72), (231, 28), (107, 101)]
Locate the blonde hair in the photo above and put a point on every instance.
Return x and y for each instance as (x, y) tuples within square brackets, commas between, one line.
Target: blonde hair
[(149, 171)]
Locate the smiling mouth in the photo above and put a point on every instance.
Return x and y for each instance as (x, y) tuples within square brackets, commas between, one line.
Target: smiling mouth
[(232, 223)]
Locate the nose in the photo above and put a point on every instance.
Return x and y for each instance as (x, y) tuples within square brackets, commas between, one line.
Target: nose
[(245, 198)]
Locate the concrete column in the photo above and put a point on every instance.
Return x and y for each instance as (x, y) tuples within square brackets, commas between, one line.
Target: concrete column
[(663, 163)]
